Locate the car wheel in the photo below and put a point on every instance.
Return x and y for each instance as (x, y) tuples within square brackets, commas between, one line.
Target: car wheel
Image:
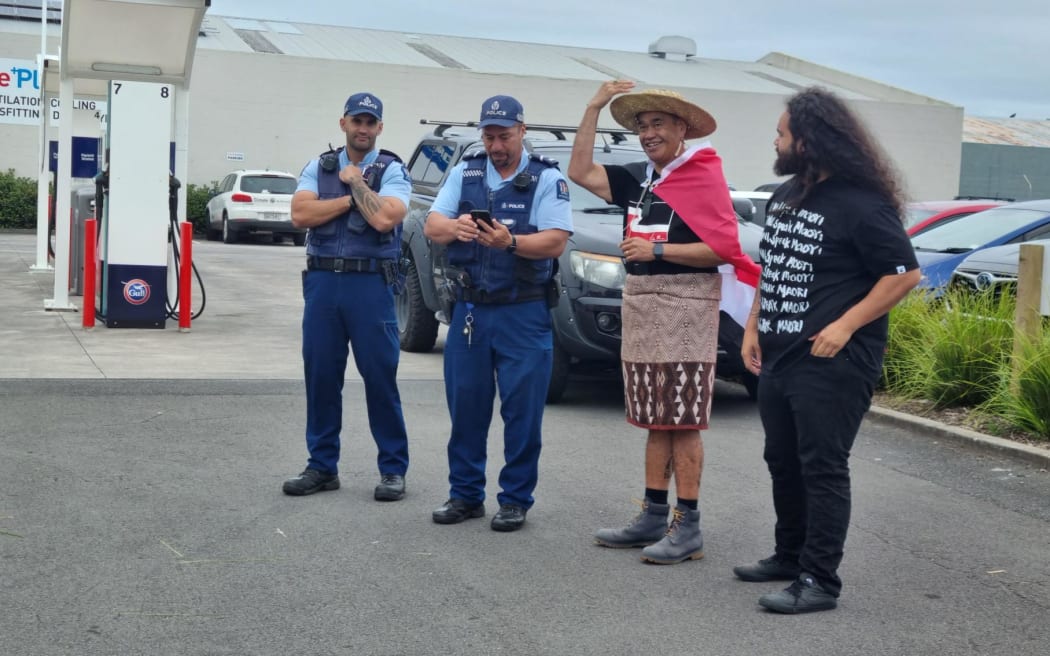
[(417, 328), (559, 374), (229, 235), (750, 381), (209, 232), (299, 239), (277, 238)]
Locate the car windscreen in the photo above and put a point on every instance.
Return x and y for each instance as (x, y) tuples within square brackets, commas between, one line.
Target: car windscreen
[(580, 198), (270, 184), (975, 230), (916, 215)]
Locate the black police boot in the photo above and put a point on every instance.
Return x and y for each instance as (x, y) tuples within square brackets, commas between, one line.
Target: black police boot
[(455, 511), (391, 488), (310, 481), (510, 517)]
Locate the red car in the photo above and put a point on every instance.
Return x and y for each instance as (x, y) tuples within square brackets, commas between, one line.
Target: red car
[(919, 217)]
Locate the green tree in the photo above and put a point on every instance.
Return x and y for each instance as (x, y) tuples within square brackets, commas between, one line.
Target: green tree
[(197, 197), (17, 201)]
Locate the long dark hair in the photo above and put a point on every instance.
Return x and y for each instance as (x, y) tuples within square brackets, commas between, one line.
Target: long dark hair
[(829, 138)]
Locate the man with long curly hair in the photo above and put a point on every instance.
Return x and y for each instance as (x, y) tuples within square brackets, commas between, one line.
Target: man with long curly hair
[(835, 260)]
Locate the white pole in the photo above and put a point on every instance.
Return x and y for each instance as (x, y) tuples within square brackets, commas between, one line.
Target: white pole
[(182, 144), (43, 31), (181, 138), (60, 302), (43, 178)]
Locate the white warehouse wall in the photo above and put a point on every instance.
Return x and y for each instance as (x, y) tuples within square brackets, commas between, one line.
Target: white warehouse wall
[(280, 110)]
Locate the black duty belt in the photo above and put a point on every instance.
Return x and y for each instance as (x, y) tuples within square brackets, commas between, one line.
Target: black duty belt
[(481, 297), (344, 264)]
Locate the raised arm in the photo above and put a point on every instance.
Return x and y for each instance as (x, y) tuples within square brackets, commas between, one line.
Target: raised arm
[(582, 168)]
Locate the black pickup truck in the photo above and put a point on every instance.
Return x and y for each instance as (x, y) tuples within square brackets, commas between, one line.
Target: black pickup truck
[(586, 322)]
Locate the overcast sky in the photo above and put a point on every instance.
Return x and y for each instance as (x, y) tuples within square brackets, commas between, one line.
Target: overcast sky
[(990, 57)]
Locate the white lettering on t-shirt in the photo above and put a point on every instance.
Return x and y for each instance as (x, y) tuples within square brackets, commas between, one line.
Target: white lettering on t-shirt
[(792, 240)]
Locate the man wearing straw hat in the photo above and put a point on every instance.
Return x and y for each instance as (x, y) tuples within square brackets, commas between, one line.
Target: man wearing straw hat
[(679, 226)]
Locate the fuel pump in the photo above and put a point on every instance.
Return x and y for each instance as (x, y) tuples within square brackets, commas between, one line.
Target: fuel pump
[(136, 220)]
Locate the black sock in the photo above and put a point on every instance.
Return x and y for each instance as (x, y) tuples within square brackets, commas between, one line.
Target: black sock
[(657, 496), (688, 503)]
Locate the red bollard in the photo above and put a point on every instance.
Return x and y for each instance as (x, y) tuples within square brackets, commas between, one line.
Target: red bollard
[(88, 320), (185, 275)]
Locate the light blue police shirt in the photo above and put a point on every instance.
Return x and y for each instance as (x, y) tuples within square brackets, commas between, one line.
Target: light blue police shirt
[(549, 209), (395, 182)]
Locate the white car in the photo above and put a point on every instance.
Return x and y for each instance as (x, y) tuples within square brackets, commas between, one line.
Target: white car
[(253, 202), (758, 199)]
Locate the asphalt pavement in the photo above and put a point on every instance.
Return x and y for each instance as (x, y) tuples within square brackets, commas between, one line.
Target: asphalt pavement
[(141, 512)]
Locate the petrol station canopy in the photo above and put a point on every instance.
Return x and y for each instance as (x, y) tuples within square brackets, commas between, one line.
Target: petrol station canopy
[(131, 40)]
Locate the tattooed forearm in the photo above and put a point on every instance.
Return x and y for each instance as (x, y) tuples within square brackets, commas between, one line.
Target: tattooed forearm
[(367, 201)]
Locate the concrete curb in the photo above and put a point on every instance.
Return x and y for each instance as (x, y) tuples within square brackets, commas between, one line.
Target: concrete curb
[(1033, 454)]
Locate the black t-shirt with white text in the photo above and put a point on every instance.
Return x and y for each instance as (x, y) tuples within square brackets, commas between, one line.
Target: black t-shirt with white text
[(821, 259), (628, 191)]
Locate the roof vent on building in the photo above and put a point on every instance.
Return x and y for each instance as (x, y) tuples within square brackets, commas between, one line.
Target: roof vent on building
[(207, 28), (673, 48), (30, 10)]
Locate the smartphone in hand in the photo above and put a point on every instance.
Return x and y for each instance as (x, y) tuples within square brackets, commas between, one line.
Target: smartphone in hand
[(481, 216)]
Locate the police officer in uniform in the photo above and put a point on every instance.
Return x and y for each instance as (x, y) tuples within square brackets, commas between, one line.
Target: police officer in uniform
[(500, 334), (353, 201)]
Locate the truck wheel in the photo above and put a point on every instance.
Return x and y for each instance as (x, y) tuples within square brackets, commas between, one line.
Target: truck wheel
[(559, 375), (416, 326)]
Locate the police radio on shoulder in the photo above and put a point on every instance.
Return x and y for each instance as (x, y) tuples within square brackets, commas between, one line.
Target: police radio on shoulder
[(522, 181)]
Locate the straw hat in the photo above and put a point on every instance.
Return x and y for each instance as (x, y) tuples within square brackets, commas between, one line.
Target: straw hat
[(625, 108)]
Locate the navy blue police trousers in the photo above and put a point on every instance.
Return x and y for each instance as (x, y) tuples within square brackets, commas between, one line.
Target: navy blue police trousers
[(509, 350), (345, 311)]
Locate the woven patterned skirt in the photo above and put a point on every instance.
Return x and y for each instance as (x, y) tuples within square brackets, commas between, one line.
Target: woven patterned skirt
[(670, 343)]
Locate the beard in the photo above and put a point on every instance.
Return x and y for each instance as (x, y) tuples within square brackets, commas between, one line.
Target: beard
[(788, 163), (364, 146)]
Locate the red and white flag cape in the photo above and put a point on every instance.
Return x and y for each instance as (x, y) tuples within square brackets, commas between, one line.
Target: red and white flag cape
[(694, 186)]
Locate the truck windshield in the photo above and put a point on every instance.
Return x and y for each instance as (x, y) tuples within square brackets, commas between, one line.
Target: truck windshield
[(580, 198)]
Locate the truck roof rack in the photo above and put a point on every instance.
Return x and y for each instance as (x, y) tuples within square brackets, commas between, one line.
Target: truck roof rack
[(618, 135)]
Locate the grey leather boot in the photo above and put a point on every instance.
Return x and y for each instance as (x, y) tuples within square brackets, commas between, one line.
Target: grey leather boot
[(648, 527), (683, 540)]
